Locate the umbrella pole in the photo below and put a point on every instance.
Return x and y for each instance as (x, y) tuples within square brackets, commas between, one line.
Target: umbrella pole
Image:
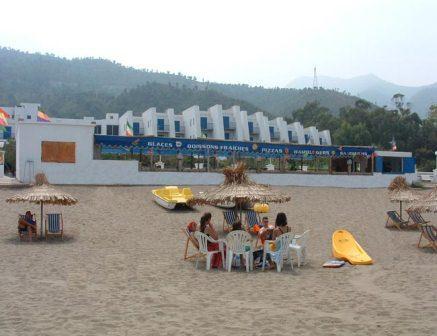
[(400, 209), (42, 216)]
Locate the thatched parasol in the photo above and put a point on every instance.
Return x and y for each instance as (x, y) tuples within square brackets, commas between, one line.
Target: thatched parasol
[(42, 193), (428, 203), (238, 188), (400, 191)]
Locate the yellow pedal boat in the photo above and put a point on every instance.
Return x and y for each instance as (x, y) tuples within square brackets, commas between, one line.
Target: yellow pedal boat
[(169, 197), (345, 247)]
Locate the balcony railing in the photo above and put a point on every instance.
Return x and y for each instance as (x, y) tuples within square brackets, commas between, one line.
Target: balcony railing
[(166, 128), (181, 130)]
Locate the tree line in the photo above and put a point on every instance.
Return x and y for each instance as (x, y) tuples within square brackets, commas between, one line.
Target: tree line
[(365, 124)]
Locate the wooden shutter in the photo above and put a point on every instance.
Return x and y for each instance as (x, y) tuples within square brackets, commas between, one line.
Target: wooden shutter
[(60, 152)]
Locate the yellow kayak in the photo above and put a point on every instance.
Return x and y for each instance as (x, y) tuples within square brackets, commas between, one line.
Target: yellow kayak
[(171, 196), (345, 247)]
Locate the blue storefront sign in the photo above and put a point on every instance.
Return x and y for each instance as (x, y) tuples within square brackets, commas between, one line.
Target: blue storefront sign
[(123, 144)]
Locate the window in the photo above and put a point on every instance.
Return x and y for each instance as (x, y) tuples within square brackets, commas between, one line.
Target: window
[(29, 117), (203, 123), (177, 126), (98, 129), (290, 136), (250, 125), (321, 141), (111, 117), (227, 136), (391, 165), (160, 124), (251, 138), (136, 127), (307, 138), (272, 131), (226, 124), (112, 129), (59, 152)]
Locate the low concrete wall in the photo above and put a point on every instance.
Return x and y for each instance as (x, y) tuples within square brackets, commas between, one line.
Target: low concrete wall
[(114, 172)]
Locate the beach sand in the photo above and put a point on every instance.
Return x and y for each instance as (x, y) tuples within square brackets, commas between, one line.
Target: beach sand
[(120, 271)]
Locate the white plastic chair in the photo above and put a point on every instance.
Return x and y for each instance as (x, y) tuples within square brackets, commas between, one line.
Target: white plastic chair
[(203, 240), (282, 244), (239, 242), (298, 245)]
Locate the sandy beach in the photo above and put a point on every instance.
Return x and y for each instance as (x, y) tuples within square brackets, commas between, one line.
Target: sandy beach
[(120, 271)]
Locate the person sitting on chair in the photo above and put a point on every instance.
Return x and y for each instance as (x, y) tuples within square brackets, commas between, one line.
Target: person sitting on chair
[(27, 224), (281, 225)]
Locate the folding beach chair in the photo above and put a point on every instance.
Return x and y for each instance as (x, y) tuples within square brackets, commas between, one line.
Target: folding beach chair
[(229, 218), (416, 217), (429, 232), (394, 220), (194, 243), (252, 219), (54, 225)]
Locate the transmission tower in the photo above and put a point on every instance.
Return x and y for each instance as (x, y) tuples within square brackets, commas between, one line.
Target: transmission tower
[(315, 80)]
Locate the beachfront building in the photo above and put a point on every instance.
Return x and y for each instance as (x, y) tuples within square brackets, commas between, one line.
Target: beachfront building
[(69, 152), (214, 123), (231, 124)]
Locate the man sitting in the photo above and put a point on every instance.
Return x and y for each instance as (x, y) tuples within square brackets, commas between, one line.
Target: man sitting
[(26, 224)]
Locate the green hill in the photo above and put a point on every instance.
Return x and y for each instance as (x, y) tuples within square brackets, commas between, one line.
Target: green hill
[(78, 87)]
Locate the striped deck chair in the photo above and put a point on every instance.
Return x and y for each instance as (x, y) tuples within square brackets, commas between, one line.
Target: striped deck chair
[(54, 225), (252, 218), (417, 218), (429, 232), (229, 218), (193, 241), (394, 220)]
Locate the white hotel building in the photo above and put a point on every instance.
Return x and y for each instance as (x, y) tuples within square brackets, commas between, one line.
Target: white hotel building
[(215, 123), (192, 123)]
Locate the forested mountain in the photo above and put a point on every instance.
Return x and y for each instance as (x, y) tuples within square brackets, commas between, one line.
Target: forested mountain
[(78, 87), (93, 87), (376, 90)]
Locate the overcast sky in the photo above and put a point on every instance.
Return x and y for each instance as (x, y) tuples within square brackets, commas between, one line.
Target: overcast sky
[(256, 42)]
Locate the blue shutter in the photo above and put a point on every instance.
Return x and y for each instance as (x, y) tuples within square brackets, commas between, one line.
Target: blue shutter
[(290, 136), (227, 136), (7, 133), (203, 123), (136, 128), (272, 131), (160, 124), (250, 125), (177, 126), (378, 164), (408, 164), (226, 122)]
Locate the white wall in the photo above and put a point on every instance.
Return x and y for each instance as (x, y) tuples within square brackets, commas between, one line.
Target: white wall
[(216, 113), (326, 137), (149, 121), (28, 147), (170, 119), (192, 122), (264, 133)]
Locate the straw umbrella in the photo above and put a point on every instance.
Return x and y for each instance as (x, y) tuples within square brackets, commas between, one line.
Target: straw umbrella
[(42, 193), (238, 188), (400, 191), (428, 203)]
